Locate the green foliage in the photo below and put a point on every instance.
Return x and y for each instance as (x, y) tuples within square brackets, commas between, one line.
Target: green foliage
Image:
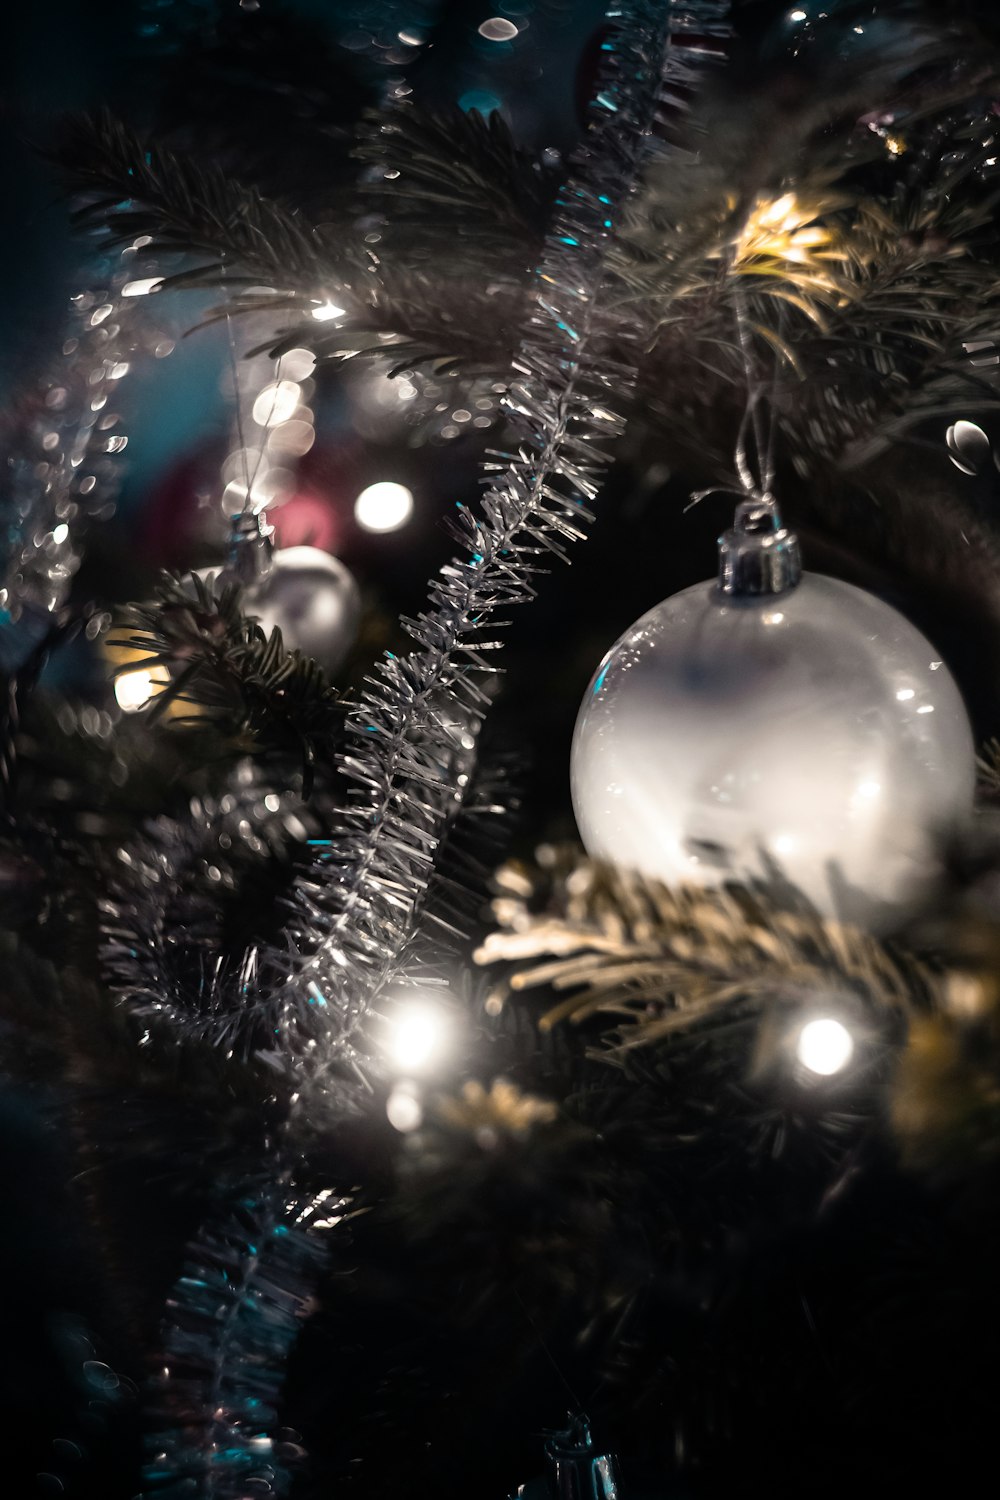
[(858, 309), (447, 173), (658, 962), (222, 664), (187, 205), (465, 188)]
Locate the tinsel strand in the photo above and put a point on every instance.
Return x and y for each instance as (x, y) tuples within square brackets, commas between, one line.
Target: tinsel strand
[(364, 895), (61, 471), (356, 912), (232, 1319)]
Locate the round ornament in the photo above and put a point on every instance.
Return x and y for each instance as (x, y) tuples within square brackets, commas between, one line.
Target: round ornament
[(307, 594), (314, 601), (775, 724)]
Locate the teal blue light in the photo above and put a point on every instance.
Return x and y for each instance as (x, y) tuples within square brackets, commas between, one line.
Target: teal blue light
[(479, 99)]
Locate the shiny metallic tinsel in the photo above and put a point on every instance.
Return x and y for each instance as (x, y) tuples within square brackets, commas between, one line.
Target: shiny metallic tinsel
[(60, 468), (60, 472), (161, 909), (357, 912), (233, 1316)]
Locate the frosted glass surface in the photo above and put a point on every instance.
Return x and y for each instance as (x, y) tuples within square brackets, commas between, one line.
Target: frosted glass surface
[(818, 727)]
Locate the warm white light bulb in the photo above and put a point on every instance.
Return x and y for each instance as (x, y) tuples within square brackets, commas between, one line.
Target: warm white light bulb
[(133, 690), (384, 506), (403, 1109), (825, 1046), (327, 311), (418, 1036)]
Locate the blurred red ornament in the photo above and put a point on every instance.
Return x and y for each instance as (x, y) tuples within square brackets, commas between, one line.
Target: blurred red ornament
[(184, 514), (308, 519)]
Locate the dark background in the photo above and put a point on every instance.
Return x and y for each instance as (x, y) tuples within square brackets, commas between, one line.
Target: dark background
[(69, 56)]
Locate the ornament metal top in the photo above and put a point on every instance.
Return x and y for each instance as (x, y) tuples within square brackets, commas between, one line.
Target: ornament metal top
[(308, 594), (775, 723), (758, 555)]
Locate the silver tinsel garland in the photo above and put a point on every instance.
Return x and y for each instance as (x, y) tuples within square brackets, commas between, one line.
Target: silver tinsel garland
[(356, 914), (62, 471), (358, 910), (234, 1314)]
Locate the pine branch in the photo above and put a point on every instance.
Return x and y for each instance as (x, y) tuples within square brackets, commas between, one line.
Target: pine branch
[(418, 317), (901, 348), (192, 207), (662, 961), (271, 259), (455, 173), (460, 211), (221, 662)]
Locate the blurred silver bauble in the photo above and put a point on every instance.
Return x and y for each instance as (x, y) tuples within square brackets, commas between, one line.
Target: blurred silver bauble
[(775, 719), (312, 599)]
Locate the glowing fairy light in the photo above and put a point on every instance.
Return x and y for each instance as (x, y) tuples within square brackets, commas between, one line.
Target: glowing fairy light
[(384, 506), (133, 690), (785, 232), (418, 1036), (326, 311), (825, 1046), (403, 1109)]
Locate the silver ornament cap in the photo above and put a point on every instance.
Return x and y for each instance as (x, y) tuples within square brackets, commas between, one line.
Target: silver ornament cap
[(576, 1470), (250, 549), (758, 554)]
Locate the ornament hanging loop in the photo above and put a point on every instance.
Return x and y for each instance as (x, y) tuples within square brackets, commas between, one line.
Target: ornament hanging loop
[(248, 557), (758, 554)]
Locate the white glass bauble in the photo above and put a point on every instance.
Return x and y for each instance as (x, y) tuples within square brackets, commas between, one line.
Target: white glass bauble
[(816, 729), (314, 601)]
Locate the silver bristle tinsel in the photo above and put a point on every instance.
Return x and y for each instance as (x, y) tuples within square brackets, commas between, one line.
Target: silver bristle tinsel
[(61, 470), (232, 1319), (356, 912)]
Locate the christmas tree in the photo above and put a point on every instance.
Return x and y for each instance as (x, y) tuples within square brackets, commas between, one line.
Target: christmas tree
[(535, 1032)]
